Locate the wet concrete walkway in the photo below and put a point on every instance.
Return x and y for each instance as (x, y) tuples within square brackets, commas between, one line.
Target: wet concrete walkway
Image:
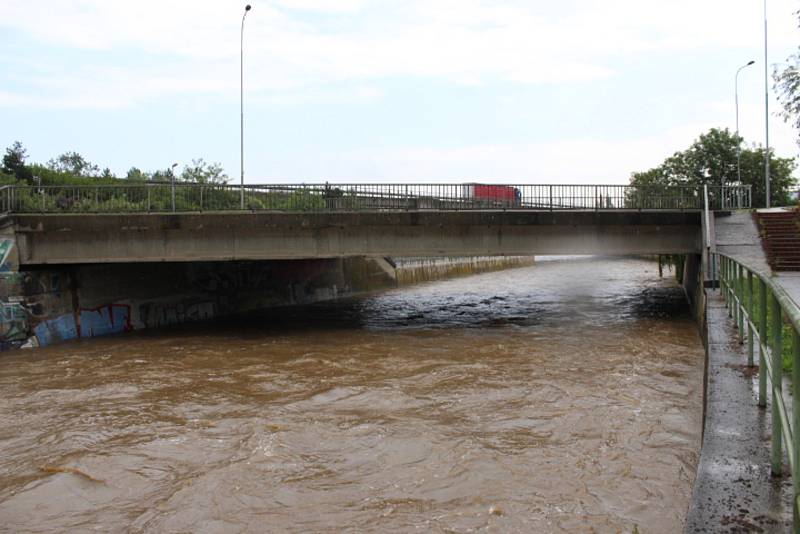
[(737, 235), (734, 490)]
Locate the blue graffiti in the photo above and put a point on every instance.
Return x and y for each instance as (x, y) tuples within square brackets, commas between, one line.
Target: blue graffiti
[(105, 320), (61, 328)]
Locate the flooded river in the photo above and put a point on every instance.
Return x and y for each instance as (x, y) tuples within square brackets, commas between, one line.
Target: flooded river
[(563, 397)]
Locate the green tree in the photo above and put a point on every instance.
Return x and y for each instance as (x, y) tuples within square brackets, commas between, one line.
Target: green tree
[(165, 175), (781, 180), (787, 85), (14, 163), (711, 160), (204, 173), (73, 163), (136, 175)]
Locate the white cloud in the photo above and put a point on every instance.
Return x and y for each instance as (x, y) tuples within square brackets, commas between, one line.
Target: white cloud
[(566, 161), (300, 51), (324, 6), (303, 43)]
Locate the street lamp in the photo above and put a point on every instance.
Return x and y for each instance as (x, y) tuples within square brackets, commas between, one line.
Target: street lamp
[(766, 110), (241, 102), (172, 179), (739, 142)]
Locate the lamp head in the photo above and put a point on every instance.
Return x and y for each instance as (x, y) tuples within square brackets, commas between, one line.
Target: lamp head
[(248, 7), (750, 62)]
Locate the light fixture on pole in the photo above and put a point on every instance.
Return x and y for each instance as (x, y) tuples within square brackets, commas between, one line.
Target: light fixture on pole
[(172, 179), (738, 140), (241, 103), (766, 111)]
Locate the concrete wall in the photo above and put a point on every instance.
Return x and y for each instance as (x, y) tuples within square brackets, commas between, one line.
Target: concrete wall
[(415, 270), (42, 307), (694, 285)]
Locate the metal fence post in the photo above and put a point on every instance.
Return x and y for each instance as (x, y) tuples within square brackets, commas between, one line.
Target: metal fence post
[(751, 306), (776, 359), (728, 285), (796, 426), (735, 289), (762, 349), (723, 280), (741, 308), (796, 412), (712, 259), (728, 278)]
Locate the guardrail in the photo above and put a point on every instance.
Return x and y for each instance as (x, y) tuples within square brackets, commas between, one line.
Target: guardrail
[(5, 200), (183, 197), (759, 307)]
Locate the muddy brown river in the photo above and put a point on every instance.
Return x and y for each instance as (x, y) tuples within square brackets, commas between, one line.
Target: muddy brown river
[(562, 397)]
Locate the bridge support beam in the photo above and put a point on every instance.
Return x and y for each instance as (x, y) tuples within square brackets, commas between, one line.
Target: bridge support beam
[(65, 239)]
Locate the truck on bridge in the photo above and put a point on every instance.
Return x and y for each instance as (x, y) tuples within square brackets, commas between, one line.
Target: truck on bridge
[(493, 195)]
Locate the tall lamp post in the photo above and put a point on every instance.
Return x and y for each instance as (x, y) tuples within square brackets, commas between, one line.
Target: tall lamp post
[(241, 102), (739, 143), (766, 110), (172, 179)]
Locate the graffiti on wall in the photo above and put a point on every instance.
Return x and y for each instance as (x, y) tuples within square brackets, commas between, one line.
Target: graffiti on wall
[(13, 321), (154, 314), (29, 298), (5, 250), (61, 328), (52, 305), (104, 320), (88, 322), (227, 280)]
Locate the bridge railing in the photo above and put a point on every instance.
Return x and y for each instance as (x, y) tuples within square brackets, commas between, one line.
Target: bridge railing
[(188, 197), (5, 200), (768, 318)]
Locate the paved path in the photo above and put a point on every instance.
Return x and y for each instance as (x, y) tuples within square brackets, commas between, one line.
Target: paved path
[(737, 235), (734, 491)]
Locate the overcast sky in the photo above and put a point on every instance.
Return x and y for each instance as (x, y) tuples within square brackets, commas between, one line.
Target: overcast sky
[(518, 91)]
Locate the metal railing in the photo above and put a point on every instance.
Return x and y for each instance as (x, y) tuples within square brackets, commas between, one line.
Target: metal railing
[(5, 200), (763, 313), (188, 197)]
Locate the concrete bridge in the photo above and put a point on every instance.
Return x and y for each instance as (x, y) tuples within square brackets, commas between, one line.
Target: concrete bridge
[(79, 262), (70, 239), (198, 222)]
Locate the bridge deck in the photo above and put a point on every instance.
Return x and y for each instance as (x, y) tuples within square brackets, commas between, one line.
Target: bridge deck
[(72, 238)]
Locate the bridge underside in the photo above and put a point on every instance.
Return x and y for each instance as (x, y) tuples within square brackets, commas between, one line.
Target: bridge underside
[(71, 239)]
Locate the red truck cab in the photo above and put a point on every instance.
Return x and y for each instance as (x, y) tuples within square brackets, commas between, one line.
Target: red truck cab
[(493, 195)]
